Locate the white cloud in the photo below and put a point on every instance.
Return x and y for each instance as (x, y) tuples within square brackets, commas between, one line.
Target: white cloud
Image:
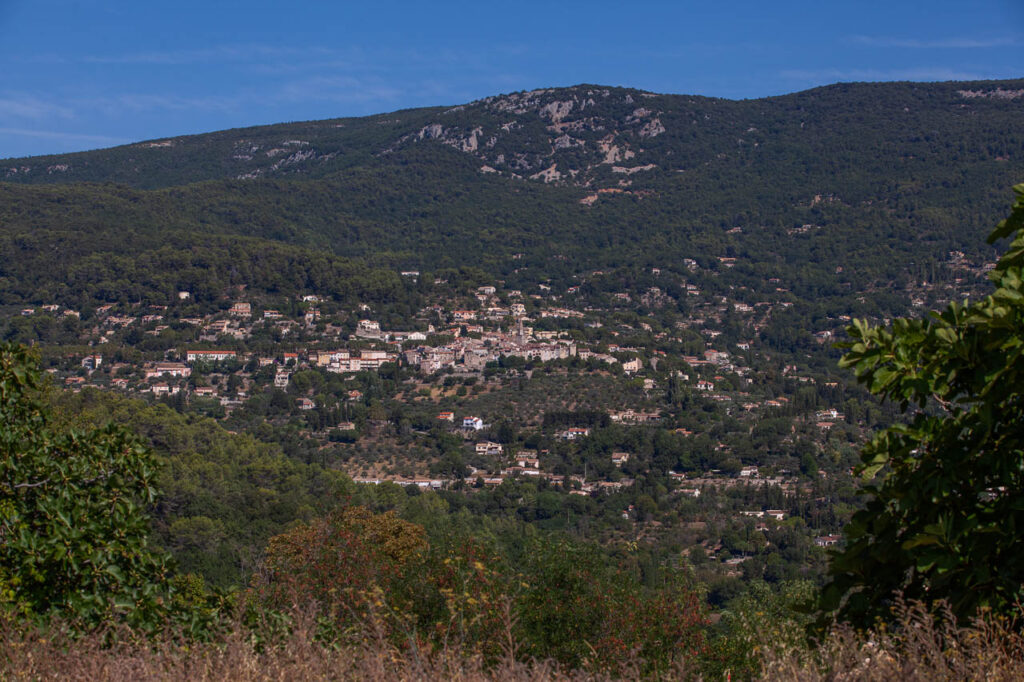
[(104, 140), (220, 53), (937, 44), (908, 74), (19, 105)]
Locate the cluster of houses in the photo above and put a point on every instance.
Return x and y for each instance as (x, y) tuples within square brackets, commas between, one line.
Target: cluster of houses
[(463, 336), (525, 464), (466, 345), (473, 337), (473, 353), (346, 362)]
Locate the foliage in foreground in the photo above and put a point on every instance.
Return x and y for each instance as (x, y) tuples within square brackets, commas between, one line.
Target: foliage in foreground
[(920, 646), (923, 642), (945, 520), (377, 573), (73, 525)]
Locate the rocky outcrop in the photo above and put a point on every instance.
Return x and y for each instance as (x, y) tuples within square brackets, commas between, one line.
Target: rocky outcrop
[(585, 127), (548, 174), (996, 93), (652, 128), (634, 169), (556, 110)]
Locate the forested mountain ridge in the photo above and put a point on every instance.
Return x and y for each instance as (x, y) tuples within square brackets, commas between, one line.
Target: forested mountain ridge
[(587, 135), (835, 192)]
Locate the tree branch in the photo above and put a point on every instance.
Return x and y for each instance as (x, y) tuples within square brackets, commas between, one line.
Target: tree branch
[(31, 485)]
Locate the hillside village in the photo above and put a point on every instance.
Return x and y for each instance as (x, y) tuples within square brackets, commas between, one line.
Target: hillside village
[(630, 348), (486, 387)]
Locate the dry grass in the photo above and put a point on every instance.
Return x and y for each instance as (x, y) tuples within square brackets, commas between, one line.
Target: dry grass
[(918, 647), (54, 656), (118, 655)]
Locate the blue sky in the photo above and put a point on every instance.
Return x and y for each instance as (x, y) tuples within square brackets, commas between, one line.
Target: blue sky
[(82, 74)]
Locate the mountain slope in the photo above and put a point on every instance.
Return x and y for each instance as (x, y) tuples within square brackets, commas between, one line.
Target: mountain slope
[(835, 191), (591, 136)]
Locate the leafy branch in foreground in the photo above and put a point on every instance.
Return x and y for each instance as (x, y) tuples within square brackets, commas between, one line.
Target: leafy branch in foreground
[(944, 522), (73, 526)]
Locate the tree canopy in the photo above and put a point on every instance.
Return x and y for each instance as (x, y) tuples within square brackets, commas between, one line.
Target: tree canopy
[(73, 522), (945, 517)]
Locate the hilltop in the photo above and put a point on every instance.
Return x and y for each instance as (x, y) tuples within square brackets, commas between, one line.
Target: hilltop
[(586, 136), (840, 190)]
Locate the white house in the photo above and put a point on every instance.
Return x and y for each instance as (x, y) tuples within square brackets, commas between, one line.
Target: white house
[(488, 448), (827, 540), (632, 366), (208, 355), (174, 369), (574, 433)]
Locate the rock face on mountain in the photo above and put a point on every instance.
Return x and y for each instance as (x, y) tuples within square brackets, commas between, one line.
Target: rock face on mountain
[(553, 135)]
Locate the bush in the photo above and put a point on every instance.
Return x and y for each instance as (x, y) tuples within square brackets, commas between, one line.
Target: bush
[(73, 522)]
